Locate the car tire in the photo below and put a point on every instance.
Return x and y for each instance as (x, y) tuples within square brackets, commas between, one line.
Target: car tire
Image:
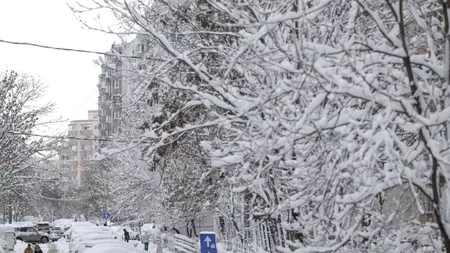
[(44, 240)]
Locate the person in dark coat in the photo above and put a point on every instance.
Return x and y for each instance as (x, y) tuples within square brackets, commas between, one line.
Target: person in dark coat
[(126, 235), (37, 249)]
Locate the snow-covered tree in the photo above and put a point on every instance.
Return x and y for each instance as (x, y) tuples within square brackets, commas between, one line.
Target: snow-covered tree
[(21, 154), (324, 108)]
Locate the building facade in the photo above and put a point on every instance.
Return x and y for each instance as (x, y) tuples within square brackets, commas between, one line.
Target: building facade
[(80, 149), (115, 83)]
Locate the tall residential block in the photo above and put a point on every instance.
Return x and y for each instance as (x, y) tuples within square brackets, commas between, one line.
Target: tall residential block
[(80, 149), (115, 86)]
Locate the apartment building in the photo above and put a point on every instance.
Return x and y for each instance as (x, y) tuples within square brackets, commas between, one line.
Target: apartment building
[(115, 83), (120, 81), (81, 148)]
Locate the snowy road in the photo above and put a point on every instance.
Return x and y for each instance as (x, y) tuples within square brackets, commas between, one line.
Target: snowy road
[(63, 247)]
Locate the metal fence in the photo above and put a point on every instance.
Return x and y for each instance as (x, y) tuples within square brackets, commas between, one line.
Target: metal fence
[(182, 244)]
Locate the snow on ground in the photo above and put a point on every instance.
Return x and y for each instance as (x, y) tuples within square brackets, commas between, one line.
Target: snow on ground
[(151, 247), (63, 247)]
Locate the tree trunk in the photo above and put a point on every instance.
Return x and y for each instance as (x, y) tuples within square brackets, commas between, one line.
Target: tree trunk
[(10, 210)]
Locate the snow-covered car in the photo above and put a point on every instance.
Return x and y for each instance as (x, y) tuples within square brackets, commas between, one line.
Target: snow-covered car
[(74, 232), (64, 224), (3, 245), (115, 247), (82, 246), (43, 226), (79, 235), (75, 227), (56, 233), (31, 234), (7, 235)]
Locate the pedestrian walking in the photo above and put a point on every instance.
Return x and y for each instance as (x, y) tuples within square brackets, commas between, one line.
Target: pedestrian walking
[(145, 240), (37, 249), (126, 235), (28, 249)]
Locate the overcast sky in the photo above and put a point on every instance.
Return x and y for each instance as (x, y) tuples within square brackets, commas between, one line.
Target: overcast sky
[(71, 77)]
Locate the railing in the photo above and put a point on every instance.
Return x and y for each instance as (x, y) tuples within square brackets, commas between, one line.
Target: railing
[(182, 244)]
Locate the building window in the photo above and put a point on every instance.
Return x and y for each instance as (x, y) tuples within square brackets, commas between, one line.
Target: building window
[(427, 206), (116, 114), (115, 84), (140, 48), (116, 99), (86, 158)]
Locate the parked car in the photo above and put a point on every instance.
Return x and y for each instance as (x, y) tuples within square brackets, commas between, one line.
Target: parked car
[(56, 233), (81, 238), (31, 234), (80, 227), (7, 238), (43, 226), (98, 246)]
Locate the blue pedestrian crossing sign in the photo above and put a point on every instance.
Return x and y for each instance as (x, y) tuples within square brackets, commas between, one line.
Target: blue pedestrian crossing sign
[(208, 242), (105, 215)]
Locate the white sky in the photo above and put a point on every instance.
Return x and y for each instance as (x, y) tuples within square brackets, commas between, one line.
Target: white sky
[(71, 77)]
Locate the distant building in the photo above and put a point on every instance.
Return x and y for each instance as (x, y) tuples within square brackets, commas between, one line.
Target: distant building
[(81, 148), (115, 81)]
